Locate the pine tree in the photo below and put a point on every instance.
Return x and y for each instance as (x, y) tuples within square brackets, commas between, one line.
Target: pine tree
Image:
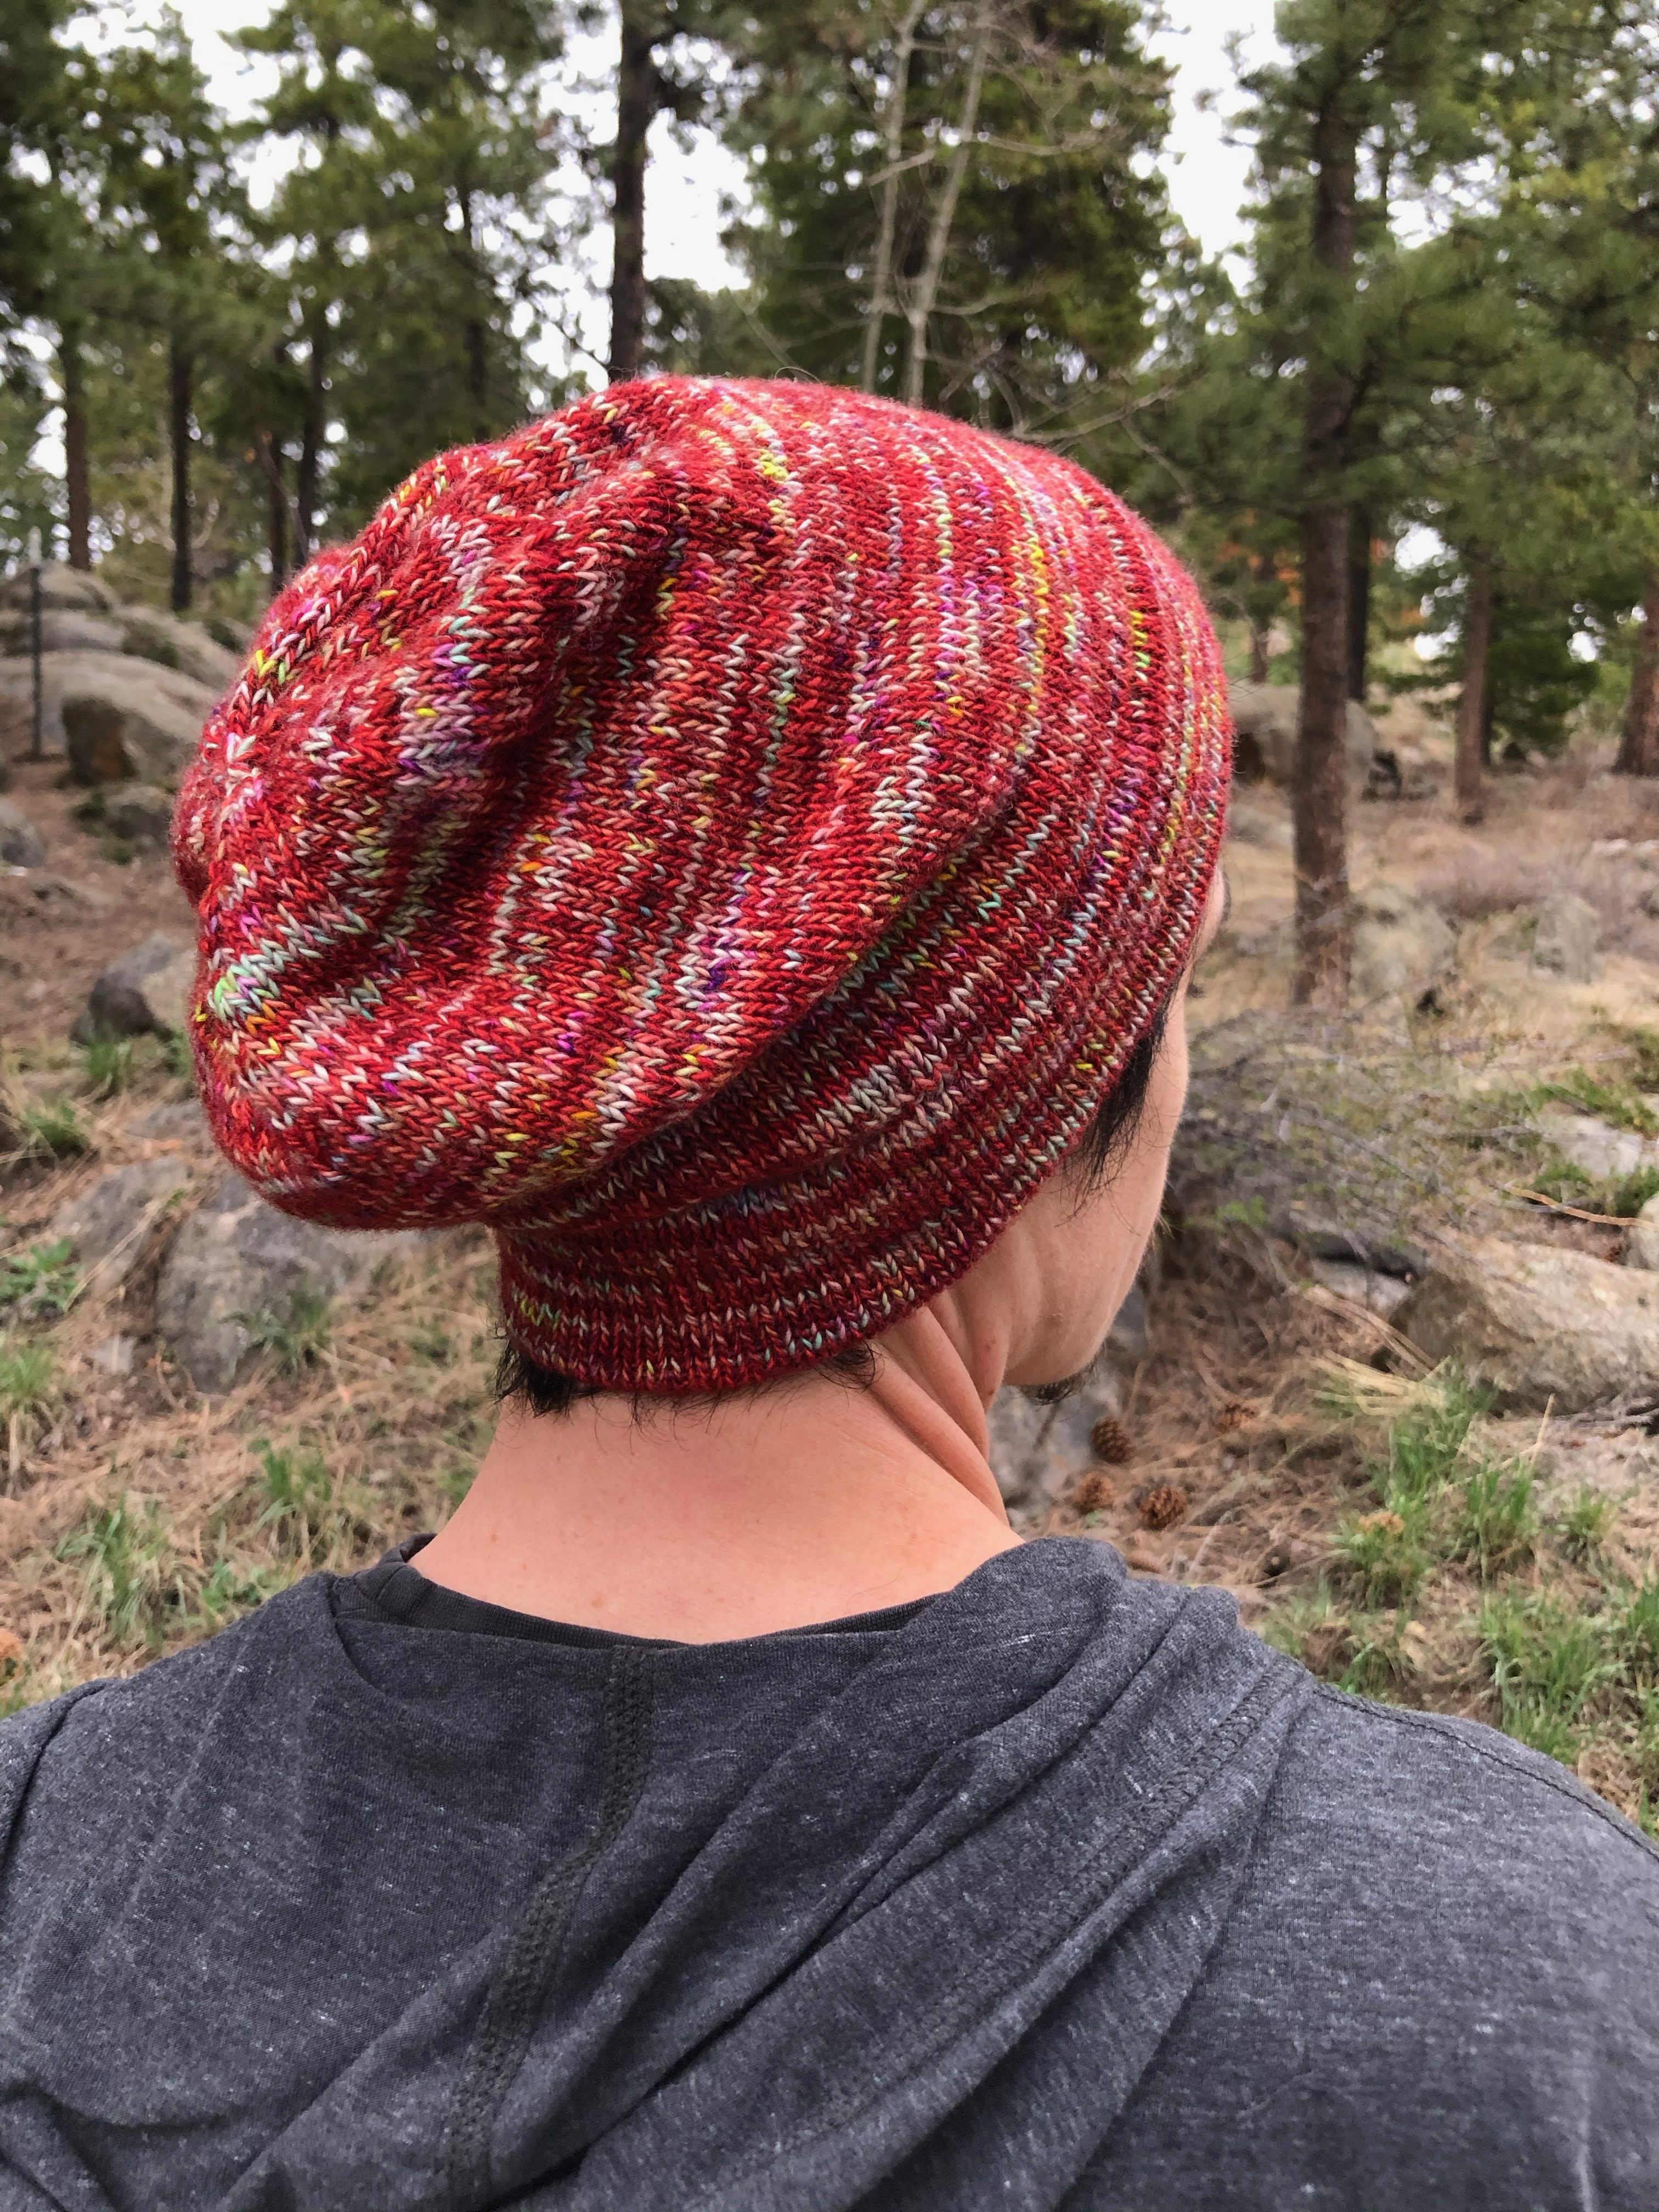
[(954, 201)]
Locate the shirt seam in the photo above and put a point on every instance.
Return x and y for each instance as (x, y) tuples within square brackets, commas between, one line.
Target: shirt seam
[(1438, 1724)]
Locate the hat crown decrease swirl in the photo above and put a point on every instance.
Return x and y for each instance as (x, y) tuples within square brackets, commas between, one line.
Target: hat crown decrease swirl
[(725, 836)]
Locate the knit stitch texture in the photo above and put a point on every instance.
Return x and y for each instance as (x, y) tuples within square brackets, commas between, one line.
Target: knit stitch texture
[(726, 837)]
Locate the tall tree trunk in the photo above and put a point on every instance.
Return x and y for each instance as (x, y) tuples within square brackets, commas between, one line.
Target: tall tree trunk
[(924, 293), (178, 399), (638, 97), (882, 301), (71, 368), (271, 462), (1638, 740), (1360, 601), (307, 476), (1319, 771), (1467, 788)]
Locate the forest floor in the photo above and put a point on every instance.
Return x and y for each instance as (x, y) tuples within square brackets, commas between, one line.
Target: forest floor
[(1370, 1517)]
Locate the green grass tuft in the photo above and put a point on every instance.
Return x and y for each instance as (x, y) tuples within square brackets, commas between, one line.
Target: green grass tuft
[(298, 1342), (1497, 1520), (41, 1284), (52, 1129), (108, 1065)]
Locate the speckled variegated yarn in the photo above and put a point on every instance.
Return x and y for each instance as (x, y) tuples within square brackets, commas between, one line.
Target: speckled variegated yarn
[(727, 837)]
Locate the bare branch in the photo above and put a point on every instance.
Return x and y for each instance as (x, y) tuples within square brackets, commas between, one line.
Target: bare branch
[(881, 291)]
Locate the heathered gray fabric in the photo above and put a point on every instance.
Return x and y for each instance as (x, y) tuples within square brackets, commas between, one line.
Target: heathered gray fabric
[(1058, 1890)]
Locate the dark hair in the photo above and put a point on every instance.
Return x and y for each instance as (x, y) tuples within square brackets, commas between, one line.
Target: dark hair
[(1093, 1160)]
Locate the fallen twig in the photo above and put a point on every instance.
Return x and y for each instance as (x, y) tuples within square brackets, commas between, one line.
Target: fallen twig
[(1573, 1212)]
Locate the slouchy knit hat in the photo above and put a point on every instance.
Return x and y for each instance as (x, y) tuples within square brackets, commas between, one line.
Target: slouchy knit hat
[(727, 837)]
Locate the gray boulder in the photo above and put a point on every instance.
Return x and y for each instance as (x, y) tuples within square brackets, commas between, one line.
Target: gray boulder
[(20, 841), (140, 812), (174, 643), (146, 991), (1401, 947), (1593, 1145), (236, 1256), (1539, 1324), (108, 1223), (1568, 943), (181, 1121), (1264, 731), (81, 675), (133, 722), (1642, 1247), (72, 589), (63, 630)]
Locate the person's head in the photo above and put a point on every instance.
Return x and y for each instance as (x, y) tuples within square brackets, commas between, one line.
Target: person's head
[(734, 839)]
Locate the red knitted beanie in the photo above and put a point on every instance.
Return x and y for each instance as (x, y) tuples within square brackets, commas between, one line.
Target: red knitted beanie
[(727, 837)]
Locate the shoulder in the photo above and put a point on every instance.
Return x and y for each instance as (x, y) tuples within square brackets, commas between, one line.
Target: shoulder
[(1474, 1878), (1457, 1789), (104, 1755)]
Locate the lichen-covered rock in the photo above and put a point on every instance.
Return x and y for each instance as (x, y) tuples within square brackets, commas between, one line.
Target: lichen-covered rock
[(107, 1224), (20, 841), (1568, 942), (145, 992), (1593, 1145), (1642, 1247), (236, 1259), (1537, 1324), (1401, 948)]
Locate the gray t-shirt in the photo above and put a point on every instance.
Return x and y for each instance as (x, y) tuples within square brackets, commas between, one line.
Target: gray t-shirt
[(1055, 1890)]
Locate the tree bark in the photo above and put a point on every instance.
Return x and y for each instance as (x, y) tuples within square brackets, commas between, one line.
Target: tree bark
[(924, 294), (1319, 778), (1638, 740), (638, 96), (1469, 791), (78, 484), (178, 399), (271, 462), (881, 302), (307, 476), (1360, 601)]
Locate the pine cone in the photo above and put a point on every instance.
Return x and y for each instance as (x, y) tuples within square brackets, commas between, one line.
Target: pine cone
[(1163, 1505), (1095, 1491), (1111, 1443)]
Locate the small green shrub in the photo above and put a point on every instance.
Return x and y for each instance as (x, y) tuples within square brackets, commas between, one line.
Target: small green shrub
[(1608, 1102), (1587, 1524), (299, 1496), (108, 1065), (1547, 1659), (298, 1342), (28, 1385), (230, 1589), (133, 1586), (1629, 1194), (52, 1129), (41, 1284), (1496, 1519), (1382, 1556)]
